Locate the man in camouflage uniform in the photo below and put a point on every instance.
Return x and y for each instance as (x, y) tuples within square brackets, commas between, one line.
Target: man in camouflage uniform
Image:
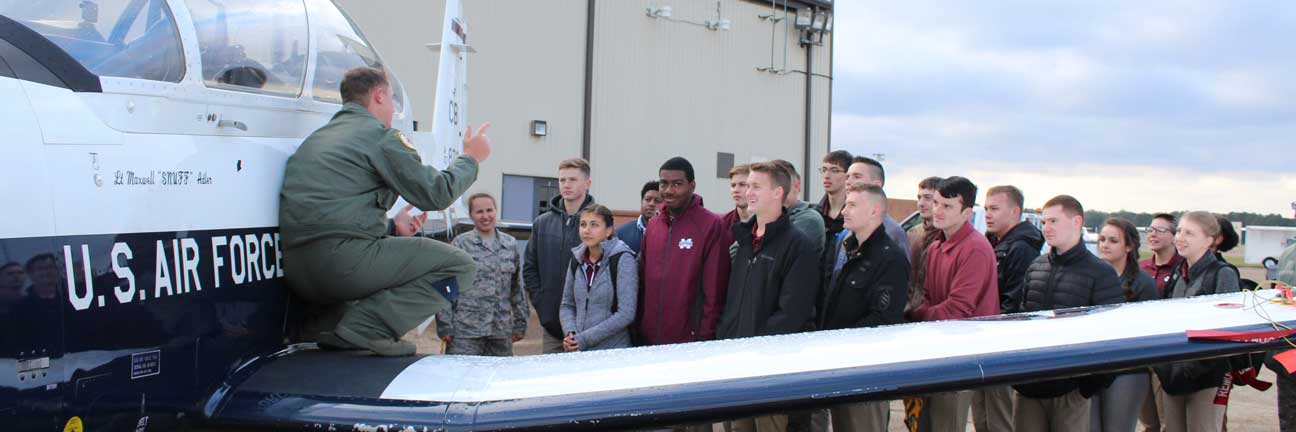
[(492, 316), (333, 207)]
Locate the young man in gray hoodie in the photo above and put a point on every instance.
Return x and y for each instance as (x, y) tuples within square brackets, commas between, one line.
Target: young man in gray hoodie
[(553, 234)]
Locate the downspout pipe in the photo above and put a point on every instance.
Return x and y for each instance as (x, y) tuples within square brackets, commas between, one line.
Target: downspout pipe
[(809, 117), (589, 80)]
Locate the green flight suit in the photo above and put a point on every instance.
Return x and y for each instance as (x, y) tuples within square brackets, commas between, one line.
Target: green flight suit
[(338, 187)]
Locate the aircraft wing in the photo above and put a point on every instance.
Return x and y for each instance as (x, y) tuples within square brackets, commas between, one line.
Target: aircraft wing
[(717, 380)]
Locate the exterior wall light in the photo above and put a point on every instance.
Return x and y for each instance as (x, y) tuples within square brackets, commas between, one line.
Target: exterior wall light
[(804, 18), (820, 21)]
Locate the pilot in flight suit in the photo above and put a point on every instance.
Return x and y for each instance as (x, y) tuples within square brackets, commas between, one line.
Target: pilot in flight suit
[(333, 207)]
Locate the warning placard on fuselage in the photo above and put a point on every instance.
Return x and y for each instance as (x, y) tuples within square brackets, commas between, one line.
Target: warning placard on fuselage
[(146, 364)]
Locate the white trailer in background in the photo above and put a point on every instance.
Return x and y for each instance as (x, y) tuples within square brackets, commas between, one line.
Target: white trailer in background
[(1267, 241)]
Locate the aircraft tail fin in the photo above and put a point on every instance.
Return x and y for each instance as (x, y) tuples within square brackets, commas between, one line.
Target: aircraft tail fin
[(444, 143)]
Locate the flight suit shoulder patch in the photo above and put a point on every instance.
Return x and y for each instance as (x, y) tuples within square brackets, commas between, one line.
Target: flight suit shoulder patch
[(405, 141)]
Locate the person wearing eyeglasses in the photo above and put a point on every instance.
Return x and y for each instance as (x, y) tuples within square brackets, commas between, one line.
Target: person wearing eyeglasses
[(833, 172), (1160, 239)]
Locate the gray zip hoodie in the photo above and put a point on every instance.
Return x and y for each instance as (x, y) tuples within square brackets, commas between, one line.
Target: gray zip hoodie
[(587, 310)]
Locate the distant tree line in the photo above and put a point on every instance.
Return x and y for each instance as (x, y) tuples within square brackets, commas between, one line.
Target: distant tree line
[(1095, 218)]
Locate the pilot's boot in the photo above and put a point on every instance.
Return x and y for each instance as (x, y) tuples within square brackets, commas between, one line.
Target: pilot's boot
[(361, 330), (315, 318), (335, 340), (377, 322)]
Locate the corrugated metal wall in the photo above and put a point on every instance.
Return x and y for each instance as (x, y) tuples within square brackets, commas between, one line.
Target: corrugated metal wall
[(820, 119), (661, 87), (664, 88), (530, 65)]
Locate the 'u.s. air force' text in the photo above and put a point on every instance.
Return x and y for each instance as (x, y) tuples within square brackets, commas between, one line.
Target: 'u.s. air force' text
[(134, 271)]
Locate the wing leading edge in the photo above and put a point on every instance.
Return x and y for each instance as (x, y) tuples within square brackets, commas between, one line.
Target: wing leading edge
[(714, 380)]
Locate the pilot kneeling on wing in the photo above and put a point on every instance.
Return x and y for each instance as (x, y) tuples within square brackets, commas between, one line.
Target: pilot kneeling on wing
[(333, 207)]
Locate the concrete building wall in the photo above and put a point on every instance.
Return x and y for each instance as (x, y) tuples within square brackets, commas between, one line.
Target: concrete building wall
[(661, 87)]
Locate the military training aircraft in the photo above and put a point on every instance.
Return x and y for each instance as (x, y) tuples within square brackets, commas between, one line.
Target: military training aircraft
[(144, 148)]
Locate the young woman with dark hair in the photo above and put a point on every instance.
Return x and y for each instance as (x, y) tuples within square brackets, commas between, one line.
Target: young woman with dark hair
[(602, 287), (1118, 245), (1117, 407)]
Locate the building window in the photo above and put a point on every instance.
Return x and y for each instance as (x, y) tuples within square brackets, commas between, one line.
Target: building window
[(526, 197), (724, 163)]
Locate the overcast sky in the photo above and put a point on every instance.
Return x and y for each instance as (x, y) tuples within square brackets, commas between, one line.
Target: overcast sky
[(1144, 106)]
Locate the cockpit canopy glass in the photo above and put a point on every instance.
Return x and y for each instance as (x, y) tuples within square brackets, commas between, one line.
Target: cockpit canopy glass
[(116, 38), (257, 46), (341, 48)]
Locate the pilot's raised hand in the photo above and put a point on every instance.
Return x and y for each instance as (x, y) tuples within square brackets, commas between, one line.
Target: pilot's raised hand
[(406, 225), (477, 145)]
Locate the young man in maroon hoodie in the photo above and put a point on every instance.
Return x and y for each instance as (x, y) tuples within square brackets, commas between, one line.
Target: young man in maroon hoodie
[(684, 264), (962, 282)]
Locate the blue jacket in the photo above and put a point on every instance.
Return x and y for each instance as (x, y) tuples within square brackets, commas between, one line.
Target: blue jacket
[(632, 234)]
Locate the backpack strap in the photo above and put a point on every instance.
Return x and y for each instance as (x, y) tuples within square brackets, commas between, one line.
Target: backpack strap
[(1212, 273), (1208, 278), (613, 261), (612, 267), (1176, 273)]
